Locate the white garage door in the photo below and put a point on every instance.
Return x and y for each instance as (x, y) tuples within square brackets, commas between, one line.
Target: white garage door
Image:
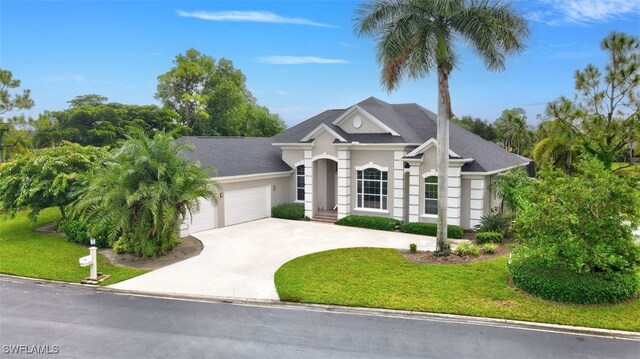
[(247, 204), (205, 219)]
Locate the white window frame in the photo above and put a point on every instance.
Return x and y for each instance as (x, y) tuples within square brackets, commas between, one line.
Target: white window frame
[(298, 188), (384, 185), (430, 199)]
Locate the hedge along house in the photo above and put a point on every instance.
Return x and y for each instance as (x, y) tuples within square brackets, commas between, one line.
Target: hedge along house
[(372, 158)]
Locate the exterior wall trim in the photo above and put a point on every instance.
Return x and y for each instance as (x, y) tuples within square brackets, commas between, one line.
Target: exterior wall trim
[(251, 177), (319, 129), (425, 146), (483, 174), (366, 114), (371, 165)]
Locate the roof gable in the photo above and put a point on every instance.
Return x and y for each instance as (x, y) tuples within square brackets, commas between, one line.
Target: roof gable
[(320, 129), (369, 123)]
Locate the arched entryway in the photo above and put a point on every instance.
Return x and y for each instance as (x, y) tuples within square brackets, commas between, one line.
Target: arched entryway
[(325, 189)]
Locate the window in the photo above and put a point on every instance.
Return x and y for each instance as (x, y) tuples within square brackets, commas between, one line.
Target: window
[(372, 189), (431, 195), (300, 183)]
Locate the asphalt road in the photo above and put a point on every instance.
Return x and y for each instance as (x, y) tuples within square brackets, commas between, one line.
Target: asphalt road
[(86, 323)]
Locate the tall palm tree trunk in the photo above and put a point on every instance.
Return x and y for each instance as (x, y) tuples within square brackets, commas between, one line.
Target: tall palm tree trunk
[(444, 112)]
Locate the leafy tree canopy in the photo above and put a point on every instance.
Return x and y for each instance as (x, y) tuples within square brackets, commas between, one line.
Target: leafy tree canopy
[(143, 193), (46, 177), (582, 221), (514, 132), (478, 126), (603, 119), (212, 98), (91, 122)]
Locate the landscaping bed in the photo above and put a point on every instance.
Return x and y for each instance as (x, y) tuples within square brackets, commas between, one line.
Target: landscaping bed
[(383, 278), (430, 257)]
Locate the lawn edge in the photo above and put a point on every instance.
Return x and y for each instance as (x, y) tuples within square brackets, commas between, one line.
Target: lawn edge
[(392, 313)]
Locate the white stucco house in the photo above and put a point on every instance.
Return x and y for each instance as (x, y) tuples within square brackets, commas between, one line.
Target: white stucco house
[(373, 158)]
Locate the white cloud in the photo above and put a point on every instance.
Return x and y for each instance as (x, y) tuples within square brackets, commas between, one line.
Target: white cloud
[(297, 60), (249, 16), (558, 12), (66, 78)]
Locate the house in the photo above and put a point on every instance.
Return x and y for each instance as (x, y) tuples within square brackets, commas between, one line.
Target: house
[(373, 158)]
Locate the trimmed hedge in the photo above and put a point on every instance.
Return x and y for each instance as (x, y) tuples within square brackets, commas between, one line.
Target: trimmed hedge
[(288, 211), (381, 223), (77, 232), (431, 229), (489, 237), (564, 285)]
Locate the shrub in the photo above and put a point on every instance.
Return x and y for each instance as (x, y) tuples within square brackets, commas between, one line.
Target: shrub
[(77, 232), (288, 211), (431, 229), (494, 222), (488, 237), (489, 248), (413, 248), (381, 223), (467, 249), (560, 283), (582, 221)]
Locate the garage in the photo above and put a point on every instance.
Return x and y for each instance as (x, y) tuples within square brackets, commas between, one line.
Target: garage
[(247, 204), (204, 220)]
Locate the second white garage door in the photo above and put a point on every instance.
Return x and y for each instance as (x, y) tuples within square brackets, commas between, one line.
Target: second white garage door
[(247, 204)]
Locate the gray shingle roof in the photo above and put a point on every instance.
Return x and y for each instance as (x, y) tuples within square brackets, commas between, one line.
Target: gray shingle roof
[(234, 156), (414, 124)]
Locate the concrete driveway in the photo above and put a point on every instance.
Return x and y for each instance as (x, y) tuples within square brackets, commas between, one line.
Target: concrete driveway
[(240, 261)]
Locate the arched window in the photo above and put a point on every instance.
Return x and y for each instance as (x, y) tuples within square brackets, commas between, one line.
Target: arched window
[(431, 195), (372, 188), (300, 183)]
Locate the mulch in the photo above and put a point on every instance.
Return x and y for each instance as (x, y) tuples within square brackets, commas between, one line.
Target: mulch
[(429, 257), (189, 247)]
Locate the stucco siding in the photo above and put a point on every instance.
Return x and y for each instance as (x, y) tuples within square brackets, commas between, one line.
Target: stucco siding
[(367, 126), (323, 145), (465, 205)]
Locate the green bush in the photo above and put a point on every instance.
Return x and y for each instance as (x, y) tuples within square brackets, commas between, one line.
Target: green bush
[(489, 248), (494, 222), (489, 237), (467, 249), (583, 221), (413, 248), (560, 283), (431, 229), (381, 223), (288, 211), (77, 232)]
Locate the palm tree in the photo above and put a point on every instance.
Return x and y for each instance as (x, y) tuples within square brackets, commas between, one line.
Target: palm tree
[(517, 134), (416, 37), (142, 194)]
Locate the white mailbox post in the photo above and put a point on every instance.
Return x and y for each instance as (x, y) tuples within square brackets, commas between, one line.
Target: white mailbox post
[(91, 260)]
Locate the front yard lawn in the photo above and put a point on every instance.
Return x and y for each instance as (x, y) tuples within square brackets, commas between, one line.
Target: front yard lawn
[(27, 253), (383, 278)]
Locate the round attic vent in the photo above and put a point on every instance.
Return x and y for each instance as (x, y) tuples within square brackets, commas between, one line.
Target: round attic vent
[(357, 121)]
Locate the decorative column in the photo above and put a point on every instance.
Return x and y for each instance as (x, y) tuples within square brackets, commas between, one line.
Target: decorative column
[(414, 192), (308, 183), (398, 185), (476, 200), (344, 182), (454, 192)]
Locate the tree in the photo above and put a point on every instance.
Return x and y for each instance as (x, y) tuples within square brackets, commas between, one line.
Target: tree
[(513, 131), (604, 117), (416, 37), (480, 127), (143, 193), (558, 147), (10, 102), (588, 221), (88, 100), (46, 177), (213, 99), (102, 124)]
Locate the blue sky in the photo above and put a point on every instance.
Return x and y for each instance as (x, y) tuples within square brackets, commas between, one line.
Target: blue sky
[(300, 57)]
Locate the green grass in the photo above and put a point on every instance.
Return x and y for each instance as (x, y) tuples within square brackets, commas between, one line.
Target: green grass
[(27, 253), (382, 278)]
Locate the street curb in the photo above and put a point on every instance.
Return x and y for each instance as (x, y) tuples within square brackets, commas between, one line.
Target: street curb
[(391, 313)]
